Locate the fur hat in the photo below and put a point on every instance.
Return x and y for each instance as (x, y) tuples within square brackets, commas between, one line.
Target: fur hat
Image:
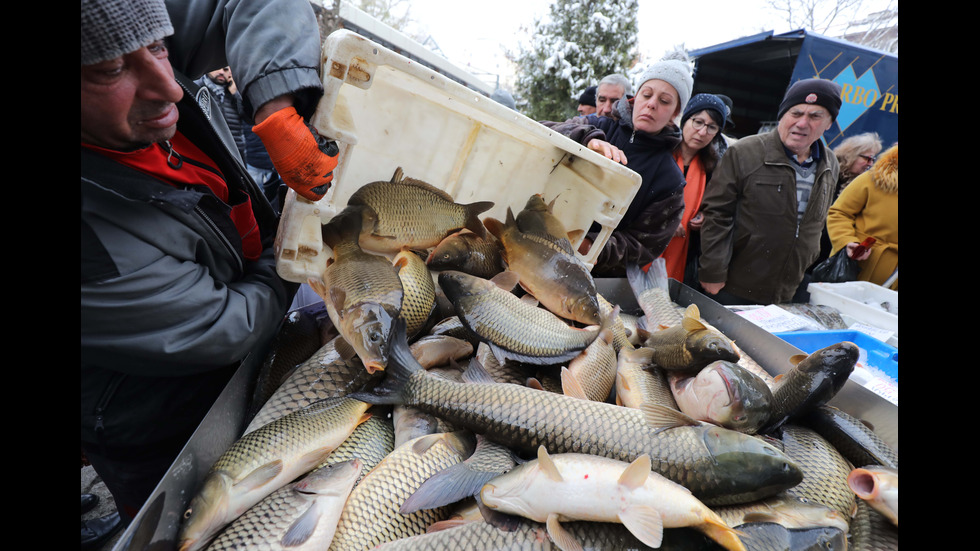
[(818, 91), (113, 28), (674, 69)]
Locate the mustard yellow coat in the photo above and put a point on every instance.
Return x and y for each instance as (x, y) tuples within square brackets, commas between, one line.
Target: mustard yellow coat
[(868, 206)]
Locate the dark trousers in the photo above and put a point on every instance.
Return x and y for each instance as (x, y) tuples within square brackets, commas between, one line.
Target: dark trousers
[(133, 474)]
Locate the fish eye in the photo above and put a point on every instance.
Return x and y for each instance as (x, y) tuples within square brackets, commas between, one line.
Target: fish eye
[(374, 336), (187, 513)]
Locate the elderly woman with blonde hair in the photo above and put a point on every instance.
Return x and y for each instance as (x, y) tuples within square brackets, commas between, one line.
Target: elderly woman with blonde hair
[(855, 156)]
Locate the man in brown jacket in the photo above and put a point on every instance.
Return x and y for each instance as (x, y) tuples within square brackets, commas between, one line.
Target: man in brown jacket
[(767, 202)]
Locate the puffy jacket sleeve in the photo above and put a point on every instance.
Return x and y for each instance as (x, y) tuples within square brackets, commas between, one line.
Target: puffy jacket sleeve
[(247, 35), (577, 128), (842, 214), (172, 318), (642, 241)]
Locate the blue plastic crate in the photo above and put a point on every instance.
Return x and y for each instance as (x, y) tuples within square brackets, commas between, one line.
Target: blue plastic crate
[(879, 355)]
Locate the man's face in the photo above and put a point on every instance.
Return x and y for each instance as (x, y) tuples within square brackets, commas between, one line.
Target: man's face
[(130, 102), (221, 76), (801, 126), (584, 109), (605, 96)]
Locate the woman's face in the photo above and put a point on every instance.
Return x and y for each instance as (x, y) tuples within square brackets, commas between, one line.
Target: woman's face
[(697, 138), (862, 163), (655, 104)]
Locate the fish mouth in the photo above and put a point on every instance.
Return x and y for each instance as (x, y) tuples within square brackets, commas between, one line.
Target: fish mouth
[(374, 366)]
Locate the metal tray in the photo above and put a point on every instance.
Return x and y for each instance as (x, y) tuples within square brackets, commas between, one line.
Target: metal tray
[(157, 525)]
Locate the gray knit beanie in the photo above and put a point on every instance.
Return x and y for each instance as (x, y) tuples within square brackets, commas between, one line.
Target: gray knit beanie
[(674, 71), (112, 28)]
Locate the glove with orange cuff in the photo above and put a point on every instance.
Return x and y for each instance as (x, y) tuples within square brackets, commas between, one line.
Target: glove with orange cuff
[(304, 159)]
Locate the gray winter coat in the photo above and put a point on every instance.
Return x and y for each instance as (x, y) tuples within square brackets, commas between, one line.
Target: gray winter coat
[(169, 304)]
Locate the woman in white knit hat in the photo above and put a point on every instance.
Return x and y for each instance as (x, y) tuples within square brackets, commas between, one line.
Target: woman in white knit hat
[(641, 135)]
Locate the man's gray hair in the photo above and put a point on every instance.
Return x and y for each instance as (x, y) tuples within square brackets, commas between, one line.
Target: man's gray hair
[(618, 80)]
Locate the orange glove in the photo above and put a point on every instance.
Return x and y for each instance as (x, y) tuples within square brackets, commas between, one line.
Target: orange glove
[(304, 159)]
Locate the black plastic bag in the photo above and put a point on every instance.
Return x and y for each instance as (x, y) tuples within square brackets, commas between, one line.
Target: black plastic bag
[(836, 269)]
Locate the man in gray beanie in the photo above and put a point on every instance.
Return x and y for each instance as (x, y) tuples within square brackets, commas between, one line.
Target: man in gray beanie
[(179, 281), (766, 204)]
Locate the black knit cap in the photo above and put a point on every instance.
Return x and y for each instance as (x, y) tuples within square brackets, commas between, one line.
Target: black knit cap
[(711, 102), (588, 96), (813, 91)]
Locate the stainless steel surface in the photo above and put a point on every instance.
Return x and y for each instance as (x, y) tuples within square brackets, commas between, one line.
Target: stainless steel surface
[(770, 351), (157, 524)]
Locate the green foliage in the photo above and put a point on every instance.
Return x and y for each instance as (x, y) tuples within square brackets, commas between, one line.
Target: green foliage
[(577, 44)]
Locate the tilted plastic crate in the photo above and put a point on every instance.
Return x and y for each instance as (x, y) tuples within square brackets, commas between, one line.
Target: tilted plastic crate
[(386, 111)]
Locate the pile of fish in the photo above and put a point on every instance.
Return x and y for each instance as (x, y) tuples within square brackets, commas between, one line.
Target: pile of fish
[(479, 393)]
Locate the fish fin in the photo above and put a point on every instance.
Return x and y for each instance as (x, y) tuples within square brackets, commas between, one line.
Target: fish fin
[(551, 204), (315, 457), (337, 298), (726, 536), (529, 299), (344, 349), (398, 175), (494, 226), (423, 444), (476, 373), (533, 382), (562, 538), (641, 355), (448, 486), (260, 476), (401, 366), (659, 416), (473, 212), (302, 528), (548, 465), (506, 280), (318, 287), (692, 324), (637, 473), (645, 523), (441, 525), (760, 516), (570, 385), (795, 359)]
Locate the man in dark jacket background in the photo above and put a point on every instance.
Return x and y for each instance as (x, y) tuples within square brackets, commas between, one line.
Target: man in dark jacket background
[(766, 204), (177, 262)]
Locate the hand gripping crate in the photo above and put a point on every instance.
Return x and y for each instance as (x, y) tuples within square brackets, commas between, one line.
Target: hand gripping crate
[(386, 111)]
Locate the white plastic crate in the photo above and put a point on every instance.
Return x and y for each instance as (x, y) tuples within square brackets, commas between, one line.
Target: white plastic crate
[(862, 301), (386, 111)]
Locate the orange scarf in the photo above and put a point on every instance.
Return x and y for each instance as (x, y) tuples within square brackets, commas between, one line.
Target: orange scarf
[(675, 255)]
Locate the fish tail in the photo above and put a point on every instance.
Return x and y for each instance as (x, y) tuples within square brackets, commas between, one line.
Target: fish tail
[(473, 212), (654, 278), (345, 226), (724, 535), (401, 366)]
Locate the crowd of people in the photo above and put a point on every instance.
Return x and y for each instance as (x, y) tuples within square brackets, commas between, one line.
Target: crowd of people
[(183, 165), (744, 221)]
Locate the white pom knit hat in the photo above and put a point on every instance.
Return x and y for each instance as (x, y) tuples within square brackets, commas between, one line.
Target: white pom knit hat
[(675, 70)]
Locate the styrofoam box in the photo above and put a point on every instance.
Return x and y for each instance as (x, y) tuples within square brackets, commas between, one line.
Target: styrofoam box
[(386, 111), (860, 300)]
